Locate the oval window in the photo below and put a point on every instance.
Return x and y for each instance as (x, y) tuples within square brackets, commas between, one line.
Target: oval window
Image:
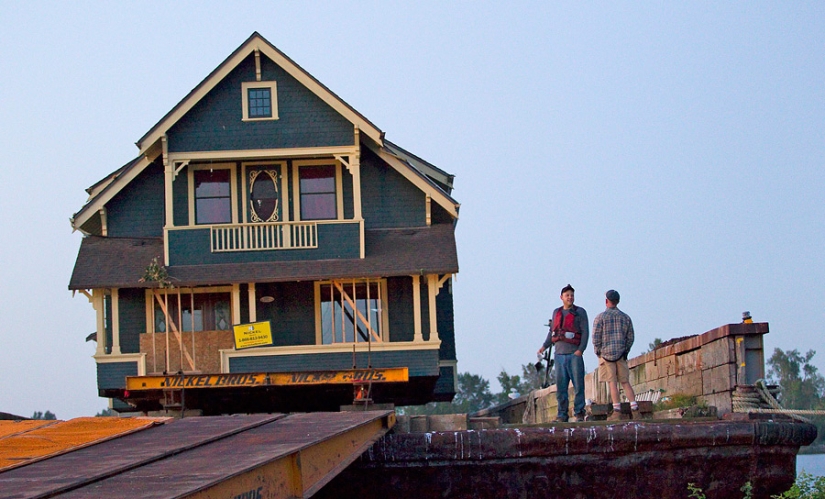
[(263, 195)]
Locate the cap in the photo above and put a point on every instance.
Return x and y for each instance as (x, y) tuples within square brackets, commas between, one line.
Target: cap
[(612, 295)]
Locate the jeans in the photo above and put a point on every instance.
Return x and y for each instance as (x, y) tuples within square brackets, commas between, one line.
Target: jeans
[(569, 367)]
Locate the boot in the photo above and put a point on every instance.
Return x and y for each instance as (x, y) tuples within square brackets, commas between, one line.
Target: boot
[(615, 416)]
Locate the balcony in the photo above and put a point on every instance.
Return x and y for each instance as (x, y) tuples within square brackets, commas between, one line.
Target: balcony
[(263, 236), (263, 242)]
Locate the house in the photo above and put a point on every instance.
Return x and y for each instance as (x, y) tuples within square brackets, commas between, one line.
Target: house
[(263, 196)]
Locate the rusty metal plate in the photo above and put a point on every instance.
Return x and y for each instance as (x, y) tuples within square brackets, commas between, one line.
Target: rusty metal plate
[(58, 437), (309, 448), (81, 467)]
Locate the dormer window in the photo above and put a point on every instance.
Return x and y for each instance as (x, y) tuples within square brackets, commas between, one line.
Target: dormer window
[(260, 100)]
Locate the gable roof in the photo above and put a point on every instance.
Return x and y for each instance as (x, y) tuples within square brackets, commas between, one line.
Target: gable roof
[(425, 167), (257, 42), (427, 177)]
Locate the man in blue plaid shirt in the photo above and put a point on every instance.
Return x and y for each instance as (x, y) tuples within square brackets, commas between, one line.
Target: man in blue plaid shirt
[(612, 339)]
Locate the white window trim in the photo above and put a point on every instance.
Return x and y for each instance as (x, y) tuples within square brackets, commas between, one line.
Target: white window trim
[(273, 92), (296, 186), (233, 189), (385, 313)]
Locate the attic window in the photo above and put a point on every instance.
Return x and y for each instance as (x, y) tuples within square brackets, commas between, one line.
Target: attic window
[(259, 100)]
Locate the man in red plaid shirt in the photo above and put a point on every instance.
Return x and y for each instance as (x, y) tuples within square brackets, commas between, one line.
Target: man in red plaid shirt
[(612, 339)]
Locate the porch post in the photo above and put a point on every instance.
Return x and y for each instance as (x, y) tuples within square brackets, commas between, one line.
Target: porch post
[(253, 311), (355, 170), (115, 322), (168, 193), (99, 305), (432, 291), (287, 227), (236, 303), (416, 282)]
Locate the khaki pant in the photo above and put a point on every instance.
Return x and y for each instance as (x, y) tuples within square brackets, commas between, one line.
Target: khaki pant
[(614, 371)]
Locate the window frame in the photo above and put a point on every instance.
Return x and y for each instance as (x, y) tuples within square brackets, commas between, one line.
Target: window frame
[(281, 166), (385, 315), (253, 85), (233, 191), (296, 187), (184, 292)]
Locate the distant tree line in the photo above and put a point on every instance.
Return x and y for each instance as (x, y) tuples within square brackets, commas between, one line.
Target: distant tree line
[(802, 387), (474, 393)]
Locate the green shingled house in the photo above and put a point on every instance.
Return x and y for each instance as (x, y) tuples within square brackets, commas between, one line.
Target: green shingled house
[(262, 196)]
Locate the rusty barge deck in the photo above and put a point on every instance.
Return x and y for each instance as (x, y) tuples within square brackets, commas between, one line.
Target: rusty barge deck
[(649, 459), (309, 455)]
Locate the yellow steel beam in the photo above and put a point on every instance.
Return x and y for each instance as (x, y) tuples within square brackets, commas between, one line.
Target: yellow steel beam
[(304, 472), (242, 380)]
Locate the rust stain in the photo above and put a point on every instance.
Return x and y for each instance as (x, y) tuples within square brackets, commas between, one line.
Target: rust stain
[(41, 439)]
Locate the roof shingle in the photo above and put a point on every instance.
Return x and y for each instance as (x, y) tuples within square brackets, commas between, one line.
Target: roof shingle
[(107, 262)]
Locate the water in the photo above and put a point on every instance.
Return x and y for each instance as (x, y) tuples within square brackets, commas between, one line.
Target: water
[(813, 464)]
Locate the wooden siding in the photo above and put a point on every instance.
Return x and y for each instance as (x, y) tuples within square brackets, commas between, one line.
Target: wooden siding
[(107, 323), (419, 362), (446, 381), (113, 374), (400, 299), (346, 190), (93, 225), (445, 322), (180, 198), (244, 305), (335, 241), (292, 313), (138, 210), (388, 200), (439, 215), (132, 307), (215, 123)]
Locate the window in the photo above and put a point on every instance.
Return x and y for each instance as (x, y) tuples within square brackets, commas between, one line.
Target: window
[(209, 311), (213, 199), (259, 100), (352, 311), (263, 194), (318, 197)]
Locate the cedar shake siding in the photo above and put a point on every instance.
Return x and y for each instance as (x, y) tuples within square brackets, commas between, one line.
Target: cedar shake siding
[(389, 200), (138, 211), (304, 120)]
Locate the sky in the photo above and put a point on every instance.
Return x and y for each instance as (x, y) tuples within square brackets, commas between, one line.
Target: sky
[(672, 151)]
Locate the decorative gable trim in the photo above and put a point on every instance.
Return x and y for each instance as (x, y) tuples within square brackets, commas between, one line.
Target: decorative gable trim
[(258, 43)]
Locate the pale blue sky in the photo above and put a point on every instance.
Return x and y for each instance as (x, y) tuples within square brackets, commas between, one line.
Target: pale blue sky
[(671, 151)]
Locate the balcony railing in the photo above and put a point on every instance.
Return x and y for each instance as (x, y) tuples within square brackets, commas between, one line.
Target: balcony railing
[(264, 236)]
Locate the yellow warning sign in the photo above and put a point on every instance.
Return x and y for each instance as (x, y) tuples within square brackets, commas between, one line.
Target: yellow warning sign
[(256, 334)]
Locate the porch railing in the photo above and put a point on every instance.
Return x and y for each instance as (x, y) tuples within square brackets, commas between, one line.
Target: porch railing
[(264, 236)]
